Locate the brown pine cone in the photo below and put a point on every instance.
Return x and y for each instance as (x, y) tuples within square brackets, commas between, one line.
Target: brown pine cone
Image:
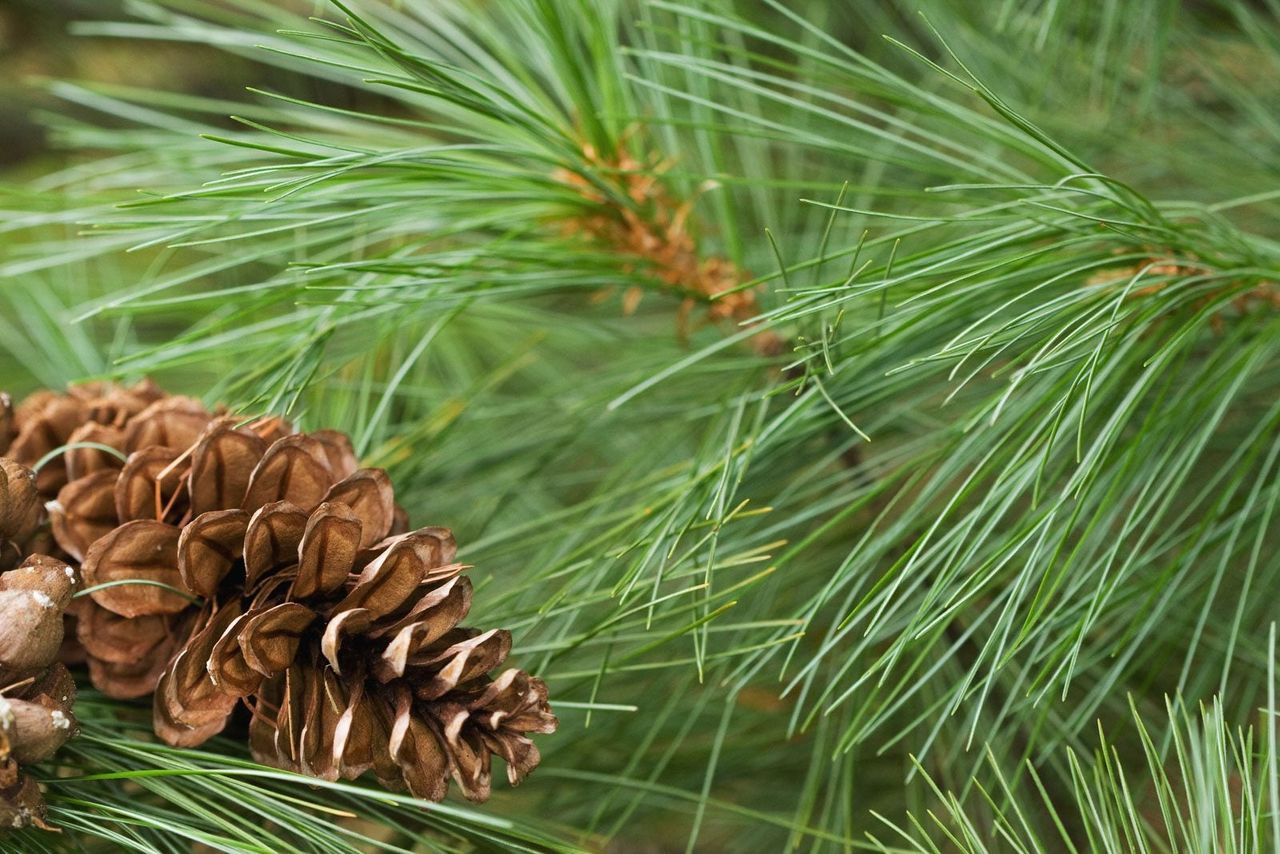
[(36, 691), (245, 563)]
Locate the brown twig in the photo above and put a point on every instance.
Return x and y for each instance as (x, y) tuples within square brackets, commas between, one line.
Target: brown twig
[(651, 230)]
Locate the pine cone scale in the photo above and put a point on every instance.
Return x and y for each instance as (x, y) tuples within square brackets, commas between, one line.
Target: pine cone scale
[(209, 548), (141, 550), (295, 469), (270, 544), (417, 751), (330, 543), (20, 503), (370, 499), (222, 466), (270, 638), (190, 708), (86, 511)]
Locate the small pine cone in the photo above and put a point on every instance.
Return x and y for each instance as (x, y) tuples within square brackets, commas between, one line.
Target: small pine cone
[(33, 598), (345, 643), (36, 691)]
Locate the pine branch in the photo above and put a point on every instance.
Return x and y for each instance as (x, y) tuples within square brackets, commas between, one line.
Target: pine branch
[(1026, 250)]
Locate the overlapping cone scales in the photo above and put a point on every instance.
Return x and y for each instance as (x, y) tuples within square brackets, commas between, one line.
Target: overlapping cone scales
[(347, 647), (131, 502), (164, 519), (36, 692), (93, 412), (234, 564), (498, 721), (126, 655)]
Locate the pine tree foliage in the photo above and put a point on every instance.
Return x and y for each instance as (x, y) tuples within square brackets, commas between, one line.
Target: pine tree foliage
[(1216, 792), (852, 408)]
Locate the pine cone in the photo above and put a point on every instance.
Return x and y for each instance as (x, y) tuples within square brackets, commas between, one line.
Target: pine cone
[(36, 691), (346, 645), (279, 574)]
